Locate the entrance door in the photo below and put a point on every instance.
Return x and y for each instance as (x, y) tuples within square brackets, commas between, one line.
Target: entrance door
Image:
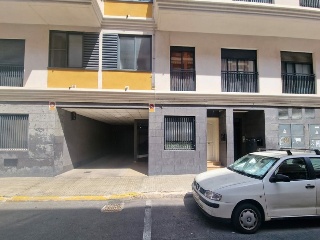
[(213, 140)]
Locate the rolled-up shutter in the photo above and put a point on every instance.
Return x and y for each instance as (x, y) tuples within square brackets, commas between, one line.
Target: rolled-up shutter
[(91, 51), (110, 51)]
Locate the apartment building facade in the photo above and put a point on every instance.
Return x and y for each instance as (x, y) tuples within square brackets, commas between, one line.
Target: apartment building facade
[(183, 83)]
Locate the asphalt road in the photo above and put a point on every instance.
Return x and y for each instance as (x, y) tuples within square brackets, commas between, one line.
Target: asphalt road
[(175, 218)]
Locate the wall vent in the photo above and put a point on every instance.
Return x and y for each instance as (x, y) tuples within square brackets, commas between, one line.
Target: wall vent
[(10, 162)]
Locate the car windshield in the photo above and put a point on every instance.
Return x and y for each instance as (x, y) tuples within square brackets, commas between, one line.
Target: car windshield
[(252, 165)]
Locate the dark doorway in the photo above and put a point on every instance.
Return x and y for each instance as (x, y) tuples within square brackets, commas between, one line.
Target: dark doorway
[(142, 139), (249, 131), (237, 133)]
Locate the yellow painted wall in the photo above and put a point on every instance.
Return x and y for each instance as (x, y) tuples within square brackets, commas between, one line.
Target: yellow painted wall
[(119, 80), (134, 9), (64, 78)]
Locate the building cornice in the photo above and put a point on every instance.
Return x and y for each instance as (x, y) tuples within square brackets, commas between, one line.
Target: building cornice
[(86, 2), (116, 23), (244, 8), (145, 97)]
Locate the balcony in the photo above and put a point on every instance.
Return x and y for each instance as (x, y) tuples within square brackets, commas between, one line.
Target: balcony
[(298, 83), (11, 76), (256, 1), (238, 17), (51, 12), (183, 80), (310, 3), (239, 81)]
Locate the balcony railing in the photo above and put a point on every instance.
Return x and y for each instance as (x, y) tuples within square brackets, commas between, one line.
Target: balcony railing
[(11, 76), (183, 80), (310, 3), (256, 1), (298, 83), (239, 81)]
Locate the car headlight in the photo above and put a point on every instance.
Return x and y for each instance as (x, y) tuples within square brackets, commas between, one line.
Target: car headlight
[(212, 195)]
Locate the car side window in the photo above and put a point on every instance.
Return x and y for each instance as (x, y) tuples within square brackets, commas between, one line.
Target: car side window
[(315, 161), (294, 168)]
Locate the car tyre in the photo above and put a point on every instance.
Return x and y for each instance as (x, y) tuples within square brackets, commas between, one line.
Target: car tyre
[(246, 218)]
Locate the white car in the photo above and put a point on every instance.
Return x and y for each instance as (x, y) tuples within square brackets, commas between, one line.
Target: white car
[(261, 186)]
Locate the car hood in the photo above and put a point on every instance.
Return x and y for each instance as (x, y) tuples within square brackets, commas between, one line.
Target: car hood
[(221, 178)]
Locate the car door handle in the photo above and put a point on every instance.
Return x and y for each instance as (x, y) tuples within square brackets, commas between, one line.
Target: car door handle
[(310, 186)]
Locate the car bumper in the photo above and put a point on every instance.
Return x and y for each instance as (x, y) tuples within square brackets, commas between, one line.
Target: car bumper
[(213, 208)]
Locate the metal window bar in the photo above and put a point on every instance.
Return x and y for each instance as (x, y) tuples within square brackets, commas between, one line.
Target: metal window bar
[(14, 132), (183, 80), (298, 83), (256, 1), (179, 133), (11, 76), (239, 81), (310, 3)]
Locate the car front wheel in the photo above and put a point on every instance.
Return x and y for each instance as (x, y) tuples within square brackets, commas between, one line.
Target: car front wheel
[(246, 218)]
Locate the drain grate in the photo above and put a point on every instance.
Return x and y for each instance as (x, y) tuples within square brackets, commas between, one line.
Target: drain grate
[(113, 207)]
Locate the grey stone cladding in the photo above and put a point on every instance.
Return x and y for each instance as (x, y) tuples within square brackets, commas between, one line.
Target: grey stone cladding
[(162, 161), (44, 154)]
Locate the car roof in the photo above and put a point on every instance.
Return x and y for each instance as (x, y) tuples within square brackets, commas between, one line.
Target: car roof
[(284, 153)]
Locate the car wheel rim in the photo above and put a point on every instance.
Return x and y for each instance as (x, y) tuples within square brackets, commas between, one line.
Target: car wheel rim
[(248, 219)]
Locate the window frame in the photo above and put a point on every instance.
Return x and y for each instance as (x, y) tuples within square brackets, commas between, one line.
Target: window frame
[(135, 52), (192, 142), (23, 136), (236, 55), (67, 48)]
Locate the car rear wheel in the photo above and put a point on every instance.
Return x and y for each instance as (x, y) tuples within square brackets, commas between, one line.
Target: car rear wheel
[(246, 218)]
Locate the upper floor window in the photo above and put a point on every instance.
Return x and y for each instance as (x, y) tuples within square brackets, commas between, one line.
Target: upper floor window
[(12, 62), (74, 50), (182, 69), (256, 1), (126, 52), (239, 70), (310, 3), (135, 53), (297, 73)]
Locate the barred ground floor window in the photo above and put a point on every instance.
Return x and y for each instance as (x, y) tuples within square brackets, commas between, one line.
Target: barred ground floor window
[(179, 133), (14, 131)]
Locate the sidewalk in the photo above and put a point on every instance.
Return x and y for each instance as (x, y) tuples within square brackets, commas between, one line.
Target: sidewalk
[(74, 187)]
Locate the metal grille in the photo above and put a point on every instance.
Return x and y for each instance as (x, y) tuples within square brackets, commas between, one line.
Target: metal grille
[(239, 81), (256, 1), (14, 132), (91, 51), (183, 80), (110, 51), (298, 83), (11, 76), (179, 133), (310, 3)]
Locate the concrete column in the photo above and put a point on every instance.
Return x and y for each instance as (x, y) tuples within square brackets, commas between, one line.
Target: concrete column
[(135, 140), (100, 61), (230, 140)]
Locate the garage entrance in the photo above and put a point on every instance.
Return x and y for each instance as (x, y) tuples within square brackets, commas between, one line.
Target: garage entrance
[(105, 139)]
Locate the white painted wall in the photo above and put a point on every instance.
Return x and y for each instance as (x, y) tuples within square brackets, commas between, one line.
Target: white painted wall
[(294, 3), (208, 58), (36, 49)]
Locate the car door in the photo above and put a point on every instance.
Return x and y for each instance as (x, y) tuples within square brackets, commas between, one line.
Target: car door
[(315, 161), (294, 198)]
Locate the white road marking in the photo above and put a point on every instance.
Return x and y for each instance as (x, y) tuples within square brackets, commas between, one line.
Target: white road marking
[(147, 221)]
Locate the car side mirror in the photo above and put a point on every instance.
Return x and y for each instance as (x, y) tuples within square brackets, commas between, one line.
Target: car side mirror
[(279, 178)]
